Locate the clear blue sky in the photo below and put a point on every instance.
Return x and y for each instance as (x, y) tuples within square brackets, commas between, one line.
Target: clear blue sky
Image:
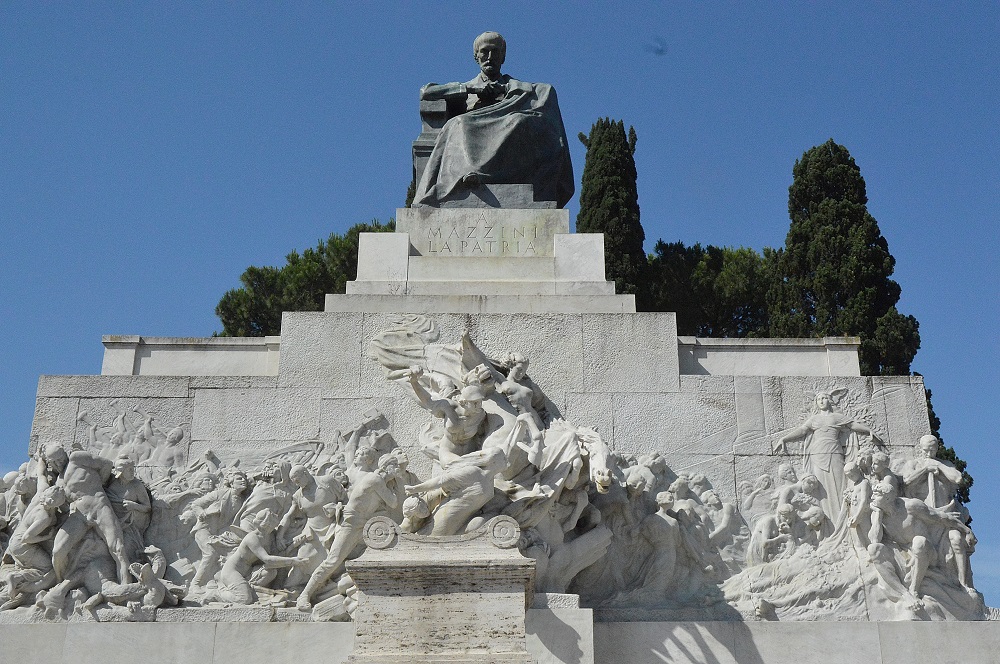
[(152, 151)]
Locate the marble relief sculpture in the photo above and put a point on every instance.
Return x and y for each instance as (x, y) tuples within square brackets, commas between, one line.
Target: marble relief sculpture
[(843, 531)]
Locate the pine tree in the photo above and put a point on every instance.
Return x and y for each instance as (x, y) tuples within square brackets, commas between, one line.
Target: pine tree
[(832, 277), (715, 291), (254, 309), (609, 204)]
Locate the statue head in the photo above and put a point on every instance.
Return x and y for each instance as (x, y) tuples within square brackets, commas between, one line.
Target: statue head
[(266, 521), (927, 446), (203, 481), (236, 479), (55, 455), (175, 436), (665, 500), (471, 399), (300, 475), (852, 471), (490, 51), (710, 498), (787, 473), (810, 483), (366, 457), (53, 497), (883, 494), (124, 467), (786, 514)]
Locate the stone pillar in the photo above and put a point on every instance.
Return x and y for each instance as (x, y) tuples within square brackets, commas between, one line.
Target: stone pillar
[(442, 599)]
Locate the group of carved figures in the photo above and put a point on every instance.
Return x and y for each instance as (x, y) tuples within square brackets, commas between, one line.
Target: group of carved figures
[(82, 532)]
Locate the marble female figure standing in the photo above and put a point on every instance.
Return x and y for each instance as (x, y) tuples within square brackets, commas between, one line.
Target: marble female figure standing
[(823, 451)]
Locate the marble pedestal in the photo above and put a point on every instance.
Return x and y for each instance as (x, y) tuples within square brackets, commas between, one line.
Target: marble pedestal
[(458, 599)]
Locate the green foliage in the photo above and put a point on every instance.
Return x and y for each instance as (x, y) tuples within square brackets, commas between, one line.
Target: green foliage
[(609, 204), (832, 277), (411, 191), (715, 291), (948, 453), (254, 309)]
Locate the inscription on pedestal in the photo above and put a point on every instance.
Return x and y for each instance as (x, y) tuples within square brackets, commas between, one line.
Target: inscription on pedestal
[(482, 232)]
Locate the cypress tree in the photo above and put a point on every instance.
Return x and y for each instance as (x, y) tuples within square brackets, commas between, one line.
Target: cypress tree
[(833, 276), (609, 204)]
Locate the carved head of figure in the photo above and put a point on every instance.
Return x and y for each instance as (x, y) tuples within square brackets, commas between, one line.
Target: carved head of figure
[(23, 484), (825, 401), (388, 467), (699, 484), (266, 521), (814, 517), (490, 51), (764, 482), (635, 484), (175, 436), (852, 472), (125, 467), (237, 480), (203, 482), (883, 495), (880, 464), (414, 507), (301, 476), (786, 473), (340, 476), (366, 457), (810, 484), (470, 400), (665, 500), (711, 499), (786, 517), (680, 487), (927, 446), (55, 457), (53, 497)]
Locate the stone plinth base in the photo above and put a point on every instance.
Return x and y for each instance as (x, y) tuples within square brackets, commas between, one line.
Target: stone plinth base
[(442, 599)]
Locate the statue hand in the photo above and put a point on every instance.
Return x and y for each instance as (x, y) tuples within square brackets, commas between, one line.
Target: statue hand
[(416, 371)]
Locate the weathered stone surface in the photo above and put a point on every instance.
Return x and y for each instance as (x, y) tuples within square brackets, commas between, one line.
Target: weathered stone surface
[(427, 598), (811, 643), (678, 422), (256, 414), (681, 643), (558, 635), (482, 304), (88, 643), (113, 386), (904, 643), (247, 643), (54, 422), (230, 382), (552, 343), (830, 356), (632, 352), (321, 350)]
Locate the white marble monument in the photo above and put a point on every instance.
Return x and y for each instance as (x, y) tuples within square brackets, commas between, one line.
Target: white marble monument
[(482, 453)]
